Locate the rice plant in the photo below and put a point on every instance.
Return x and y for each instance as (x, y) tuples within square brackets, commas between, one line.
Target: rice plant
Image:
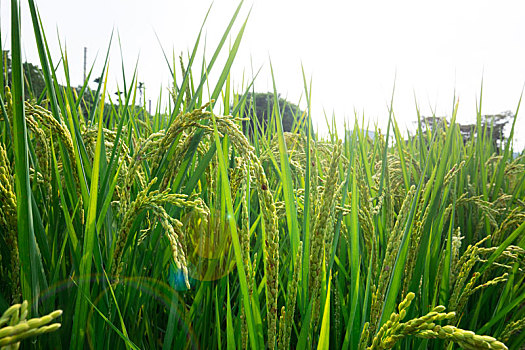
[(177, 230)]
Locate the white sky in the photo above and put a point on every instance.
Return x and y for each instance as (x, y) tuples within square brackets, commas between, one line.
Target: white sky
[(353, 50)]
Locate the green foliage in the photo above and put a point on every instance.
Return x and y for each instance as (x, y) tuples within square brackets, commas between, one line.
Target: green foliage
[(177, 230), (259, 109), (493, 124), (33, 77)]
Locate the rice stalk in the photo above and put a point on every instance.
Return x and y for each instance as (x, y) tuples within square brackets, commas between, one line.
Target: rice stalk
[(147, 199), (512, 328), (394, 240), (425, 327), (319, 232), (8, 221), (285, 325), (15, 326), (45, 118)]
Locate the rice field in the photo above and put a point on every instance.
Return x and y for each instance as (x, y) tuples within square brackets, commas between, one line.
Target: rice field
[(176, 230)]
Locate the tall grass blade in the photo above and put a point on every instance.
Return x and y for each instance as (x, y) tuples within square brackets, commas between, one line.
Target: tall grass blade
[(26, 240), (286, 174), (80, 317), (225, 188), (324, 336)]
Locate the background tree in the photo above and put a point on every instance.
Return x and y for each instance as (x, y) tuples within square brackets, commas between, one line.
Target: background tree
[(259, 108), (35, 86), (493, 123), (34, 79)]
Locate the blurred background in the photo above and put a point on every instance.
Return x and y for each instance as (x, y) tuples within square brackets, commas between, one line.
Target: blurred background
[(352, 51)]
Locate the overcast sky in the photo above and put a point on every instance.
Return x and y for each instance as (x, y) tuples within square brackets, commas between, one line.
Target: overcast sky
[(352, 50)]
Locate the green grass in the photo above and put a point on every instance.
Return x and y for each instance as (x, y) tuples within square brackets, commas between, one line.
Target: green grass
[(105, 210)]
